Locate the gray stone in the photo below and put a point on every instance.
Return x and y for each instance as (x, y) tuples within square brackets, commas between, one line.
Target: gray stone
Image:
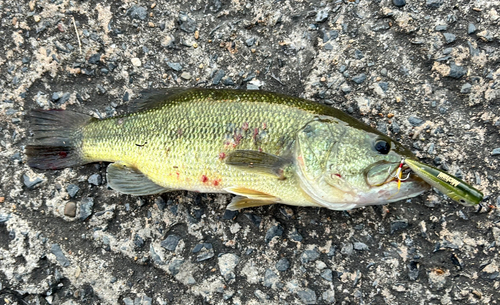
[(449, 37), (433, 3), (174, 66), (413, 271), (218, 77), (347, 249), (441, 27), (283, 264), (95, 59), (64, 98), (399, 3), (250, 41), (395, 127), (86, 206), (274, 231), (309, 256), (138, 241), (457, 71), (31, 183), (270, 278), (472, 51), (295, 236), (321, 16), (175, 266), (138, 12), (327, 274), (495, 152), (329, 296), (205, 251), (384, 86), (307, 296), (398, 225), (466, 88), (415, 121), (187, 24), (328, 46), (485, 35), (60, 257), (262, 296), (128, 301), (95, 179), (471, 28), (227, 263), (346, 89), (72, 190), (70, 209), (160, 203), (358, 79), (360, 246)]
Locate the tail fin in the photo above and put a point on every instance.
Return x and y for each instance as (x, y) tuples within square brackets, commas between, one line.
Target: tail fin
[(58, 139)]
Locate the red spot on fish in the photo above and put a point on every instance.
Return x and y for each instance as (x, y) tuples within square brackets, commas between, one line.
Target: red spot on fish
[(255, 133), (222, 155), (204, 178), (264, 126), (338, 175), (177, 173), (237, 139), (260, 149), (245, 126), (216, 182), (63, 154)]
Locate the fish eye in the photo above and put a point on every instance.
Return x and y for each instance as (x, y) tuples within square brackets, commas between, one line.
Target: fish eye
[(382, 147)]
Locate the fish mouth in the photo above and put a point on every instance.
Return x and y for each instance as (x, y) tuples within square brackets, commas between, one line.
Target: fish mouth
[(396, 173)]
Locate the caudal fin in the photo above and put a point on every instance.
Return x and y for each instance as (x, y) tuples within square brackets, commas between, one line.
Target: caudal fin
[(57, 139)]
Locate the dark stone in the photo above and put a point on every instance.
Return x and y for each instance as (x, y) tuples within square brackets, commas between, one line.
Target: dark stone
[(60, 257), (433, 3), (254, 219), (449, 37), (56, 96), (138, 241), (250, 41), (398, 225), (395, 127), (327, 274), (187, 24), (283, 264), (309, 256), (413, 270), (228, 81), (358, 54), (358, 79), (495, 152), (384, 86), (415, 121), (230, 215), (126, 97), (360, 246), (295, 236), (205, 251), (86, 207), (95, 179), (138, 12), (274, 231), (175, 266), (457, 71), (399, 3), (31, 183), (441, 27), (170, 243), (466, 88), (218, 77), (471, 28), (175, 66), (445, 245), (64, 98), (382, 127), (95, 59), (269, 278)]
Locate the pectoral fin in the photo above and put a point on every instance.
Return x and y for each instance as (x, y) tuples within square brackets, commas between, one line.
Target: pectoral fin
[(240, 202), (258, 161), (129, 180)]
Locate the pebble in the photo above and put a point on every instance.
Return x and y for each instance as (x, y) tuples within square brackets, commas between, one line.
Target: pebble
[(295, 236), (250, 41), (95, 59), (95, 179), (472, 51), (138, 12), (485, 35), (382, 127), (384, 86), (31, 183), (186, 75), (283, 264), (160, 203), (136, 62), (187, 24), (170, 243), (433, 3), (309, 256), (415, 121), (329, 296), (327, 274), (399, 3), (254, 219), (168, 41), (274, 231), (328, 46), (321, 16), (466, 88), (496, 152), (138, 241), (360, 246), (270, 278), (175, 266), (330, 35), (471, 28), (346, 89), (441, 27), (449, 37), (175, 66), (358, 79), (262, 296), (218, 77), (395, 127), (307, 296), (457, 71), (60, 257), (347, 249), (227, 262), (230, 215), (205, 251), (70, 209), (413, 271), (56, 96), (86, 206), (399, 225)]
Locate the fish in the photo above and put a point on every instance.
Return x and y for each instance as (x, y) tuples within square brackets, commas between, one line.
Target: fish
[(260, 146), (447, 184)]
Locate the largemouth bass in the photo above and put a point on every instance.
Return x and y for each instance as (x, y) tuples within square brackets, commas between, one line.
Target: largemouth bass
[(262, 147)]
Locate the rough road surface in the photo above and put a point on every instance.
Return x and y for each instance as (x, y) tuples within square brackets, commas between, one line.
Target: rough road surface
[(425, 72)]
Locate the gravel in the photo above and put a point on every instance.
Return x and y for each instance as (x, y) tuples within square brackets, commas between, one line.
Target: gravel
[(60, 257), (86, 206), (171, 242)]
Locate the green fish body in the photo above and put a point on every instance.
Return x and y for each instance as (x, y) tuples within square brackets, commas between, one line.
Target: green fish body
[(263, 147)]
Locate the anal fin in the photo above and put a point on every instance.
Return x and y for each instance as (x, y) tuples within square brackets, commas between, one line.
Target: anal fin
[(128, 180), (240, 202)]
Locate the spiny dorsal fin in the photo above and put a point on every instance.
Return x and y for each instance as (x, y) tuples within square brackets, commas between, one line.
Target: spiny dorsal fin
[(240, 202), (128, 180), (155, 97), (257, 161)]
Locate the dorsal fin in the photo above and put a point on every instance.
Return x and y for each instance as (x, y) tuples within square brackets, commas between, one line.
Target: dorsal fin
[(155, 97)]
